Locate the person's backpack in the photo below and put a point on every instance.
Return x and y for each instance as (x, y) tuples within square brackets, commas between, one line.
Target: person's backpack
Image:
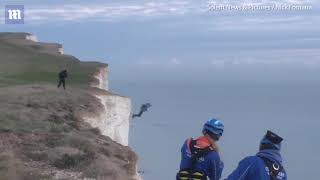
[(274, 168), (196, 154)]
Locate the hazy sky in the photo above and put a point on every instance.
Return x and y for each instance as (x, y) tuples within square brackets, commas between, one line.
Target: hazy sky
[(183, 39)]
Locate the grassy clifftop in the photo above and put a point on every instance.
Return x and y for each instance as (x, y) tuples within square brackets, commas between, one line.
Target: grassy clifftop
[(43, 135), (25, 62)]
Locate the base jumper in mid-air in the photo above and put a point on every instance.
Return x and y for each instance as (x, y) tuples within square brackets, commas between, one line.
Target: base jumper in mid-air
[(143, 108), (62, 78)]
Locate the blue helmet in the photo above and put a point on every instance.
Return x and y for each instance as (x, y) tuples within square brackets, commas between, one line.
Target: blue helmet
[(213, 126)]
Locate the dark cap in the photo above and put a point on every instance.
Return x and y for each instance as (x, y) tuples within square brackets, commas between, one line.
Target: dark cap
[(273, 137), (271, 141)]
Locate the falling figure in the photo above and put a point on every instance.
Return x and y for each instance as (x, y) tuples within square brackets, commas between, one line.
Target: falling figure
[(143, 108)]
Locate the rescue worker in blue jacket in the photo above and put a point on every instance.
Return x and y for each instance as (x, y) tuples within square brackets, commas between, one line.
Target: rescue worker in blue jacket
[(200, 157), (265, 165)]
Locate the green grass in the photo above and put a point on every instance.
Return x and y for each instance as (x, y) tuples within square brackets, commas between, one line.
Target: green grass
[(21, 65), (31, 126)]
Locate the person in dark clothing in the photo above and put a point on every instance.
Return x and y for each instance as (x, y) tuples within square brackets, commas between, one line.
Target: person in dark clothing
[(62, 78), (143, 108)]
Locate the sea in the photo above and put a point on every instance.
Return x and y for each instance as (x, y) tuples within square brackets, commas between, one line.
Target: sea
[(179, 110)]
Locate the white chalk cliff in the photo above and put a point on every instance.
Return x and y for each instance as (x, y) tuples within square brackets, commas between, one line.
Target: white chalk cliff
[(31, 38), (102, 77), (113, 120), (31, 41)]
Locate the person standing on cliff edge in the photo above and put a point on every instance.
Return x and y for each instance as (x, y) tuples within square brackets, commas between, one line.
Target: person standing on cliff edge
[(62, 78)]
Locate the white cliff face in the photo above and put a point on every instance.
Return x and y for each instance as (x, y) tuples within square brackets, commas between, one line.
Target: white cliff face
[(47, 47), (31, 38), (113, 120), (102, 77), (61, 51)]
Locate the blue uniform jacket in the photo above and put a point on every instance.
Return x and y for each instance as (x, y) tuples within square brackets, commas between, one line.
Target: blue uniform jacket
[(210, 164), (254, 168)]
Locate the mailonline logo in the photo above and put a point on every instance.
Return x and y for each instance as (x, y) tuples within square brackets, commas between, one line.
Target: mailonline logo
[(14, 14)]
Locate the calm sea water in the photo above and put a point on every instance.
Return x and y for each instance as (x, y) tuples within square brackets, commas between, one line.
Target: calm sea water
[(179, 111)]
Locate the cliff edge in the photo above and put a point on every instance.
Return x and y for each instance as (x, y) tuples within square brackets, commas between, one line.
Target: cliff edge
[(49, 133)]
